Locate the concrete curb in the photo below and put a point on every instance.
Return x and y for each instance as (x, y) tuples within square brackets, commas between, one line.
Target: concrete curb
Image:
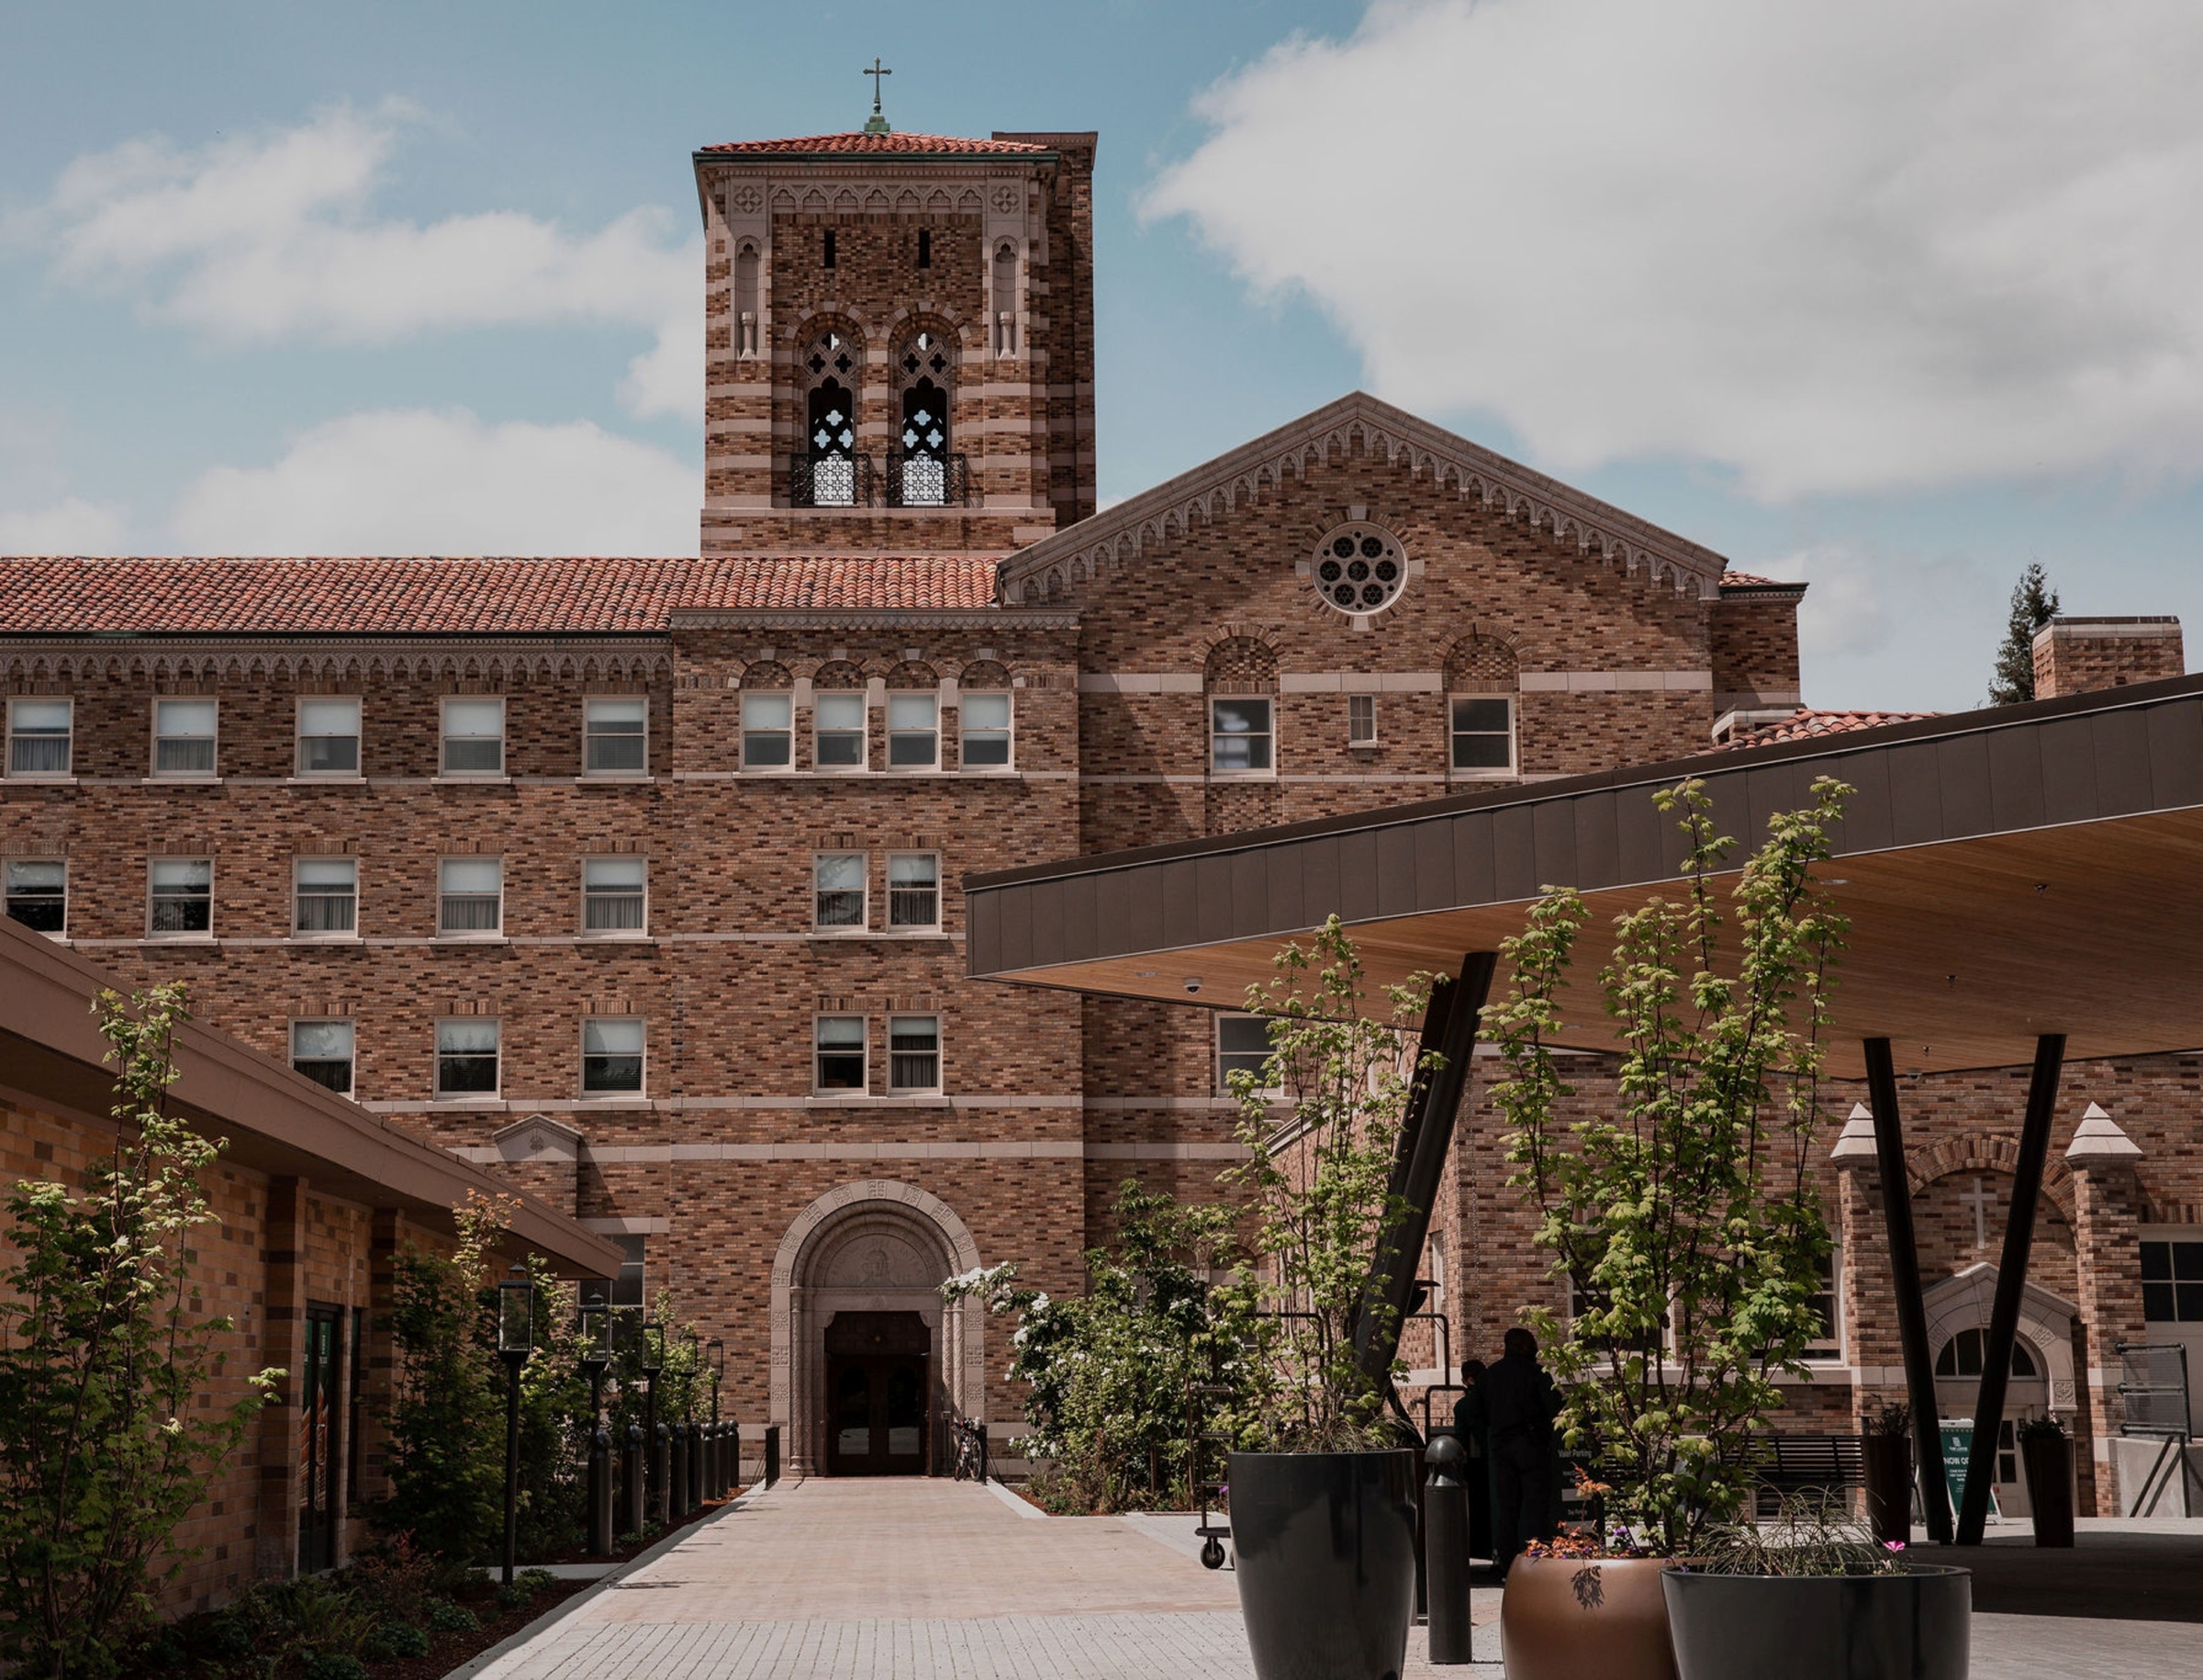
[(1023, 1507)]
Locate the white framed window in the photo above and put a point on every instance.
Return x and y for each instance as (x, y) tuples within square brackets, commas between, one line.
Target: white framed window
[(1361, 720), (2172, 1281), (1242, 1047), (769, 731), (611, 1056), (615, 893), (839, 1054), (1827, 1348), (615, 739), (914, 1053), (38, 893), (326, 895), (38, 736), (1484, 734), (1241, 735), (838, 731), (983, 723), (627, 1288), (838, 881), (328, 736), (466, 1056), (184, 738), (913, 731), (913, 890), (180, 898), (474, 737), (323, 1051), (470, 896)]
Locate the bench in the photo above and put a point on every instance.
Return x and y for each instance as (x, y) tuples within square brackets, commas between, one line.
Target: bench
[(1788, 1464)]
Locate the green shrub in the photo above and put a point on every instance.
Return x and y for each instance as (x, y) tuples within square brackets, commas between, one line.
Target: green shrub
[(333, 1665), (514, 1598), (444, 1617), (394, 1639), (537, 1580)]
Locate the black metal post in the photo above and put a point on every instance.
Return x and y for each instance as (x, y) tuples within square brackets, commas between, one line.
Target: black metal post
[(653, 1443), (512, 1459), (733, 1450), (676, 1480), (1446, 1548), (720, 1481), (772, 1453), (634, 1478), (1426, 1136), (2011, 1283), (1905, 1272), (600, 1470), (695, 1465)]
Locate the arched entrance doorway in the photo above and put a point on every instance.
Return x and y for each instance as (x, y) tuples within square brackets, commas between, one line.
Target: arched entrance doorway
[(868, 1365), (2041, 1377)]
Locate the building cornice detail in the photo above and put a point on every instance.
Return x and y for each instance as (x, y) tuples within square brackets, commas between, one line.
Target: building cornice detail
[(812, 618)]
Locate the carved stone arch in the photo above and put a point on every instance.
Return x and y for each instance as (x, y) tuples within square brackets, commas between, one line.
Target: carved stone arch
[(838, 674), (661, 669), (906, 202), (914, 674), (1486, 661), (784, 198), (1987, 1152), (969, 202), (1964, 1301), (983, 674), (114, 671), (876, 202), (1240, 665), (937, 201), (814, 203), (589, 671), (1053, 588), (767, 674)]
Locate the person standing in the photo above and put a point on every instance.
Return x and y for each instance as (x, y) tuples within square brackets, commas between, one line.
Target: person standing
[(1475, 1429), (1520, 1403)]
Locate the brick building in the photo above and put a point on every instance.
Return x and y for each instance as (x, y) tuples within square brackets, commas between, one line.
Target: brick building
[(637, 879)]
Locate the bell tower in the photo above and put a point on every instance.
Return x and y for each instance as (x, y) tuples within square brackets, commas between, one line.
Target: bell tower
[(899, 341)]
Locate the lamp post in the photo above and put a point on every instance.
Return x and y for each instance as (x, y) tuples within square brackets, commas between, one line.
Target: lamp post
[(516, 1340), (693, 1495), (626, 1342), (715, 1355), (596, 1354), (654, 1361)]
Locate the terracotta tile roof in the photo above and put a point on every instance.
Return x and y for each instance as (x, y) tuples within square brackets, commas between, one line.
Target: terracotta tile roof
[(474, 594), (1752, 580), (860, 142), (1807, 723)]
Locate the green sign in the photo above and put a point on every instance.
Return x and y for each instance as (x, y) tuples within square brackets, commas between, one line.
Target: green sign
[(1957, 1447)]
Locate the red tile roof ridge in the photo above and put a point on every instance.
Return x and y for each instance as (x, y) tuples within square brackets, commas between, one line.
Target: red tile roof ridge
[(1753, 580), (861, 141), (1809, 723)]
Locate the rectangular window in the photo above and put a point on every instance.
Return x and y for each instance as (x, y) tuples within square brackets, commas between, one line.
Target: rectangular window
[(985, 718), (1361, 720), (612, 894), (1483, 732), (914, 890), (322, 1050), (184, 738), (182, 894), (838, 731), (474, 737), (614, 741), (925, 248), (611, 1056), (838, 889), (841, 1053), (913, 1053), (1239, 735), (627, 1288), (2172, 1283), (38, 893), (1242, 1047), (466, 1057), (470, 895), (768, 732), (913, 731), (38, 737), (328, 737), (830, 251), (1828, 1347), (327, 895)]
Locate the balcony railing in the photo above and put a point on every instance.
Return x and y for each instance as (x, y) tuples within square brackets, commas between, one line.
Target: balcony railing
[(918, 480), (832, 481)]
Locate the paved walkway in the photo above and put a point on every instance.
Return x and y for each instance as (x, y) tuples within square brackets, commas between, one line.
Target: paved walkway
[(925, 1580)]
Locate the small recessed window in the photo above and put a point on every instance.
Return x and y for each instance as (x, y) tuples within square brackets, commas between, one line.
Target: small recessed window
[(328, 737), (841, 1053), (328, 892), (913, 1053), (322, 1050), (613, 892), (830, 251), (614, 741), (38, 737), (1826, 1348), (2172, 1283), (838, 891), (767, 731), (838, 731), (1361, 720), (466, 1057), (984, 720), (914, 890), (38, 893), (913, 731), (474, 737), (925, 248), (181, 891), (1484, 733), (1242, 1047), (470, 895), (627, 1288), (1239, 735), (184, 738), (611, 1056)]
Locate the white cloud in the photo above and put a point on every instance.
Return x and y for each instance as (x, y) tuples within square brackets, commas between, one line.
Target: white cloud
[(70, 526), (275, 236), (1839, 248), (417, 482)]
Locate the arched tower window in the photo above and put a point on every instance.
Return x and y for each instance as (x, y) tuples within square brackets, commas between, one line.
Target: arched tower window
[(831, 474), (923, 472)]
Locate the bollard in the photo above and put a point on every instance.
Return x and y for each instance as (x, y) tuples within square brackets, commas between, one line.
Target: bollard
[(600, 1492), (634, 1508), (696, 1467), (677, 1506), (734, 1453), (772, 1453), (724, 1477), (661, 1511), (1446, 1548)]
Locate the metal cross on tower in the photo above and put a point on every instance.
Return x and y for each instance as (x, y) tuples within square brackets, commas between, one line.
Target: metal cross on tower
[(877, 123)]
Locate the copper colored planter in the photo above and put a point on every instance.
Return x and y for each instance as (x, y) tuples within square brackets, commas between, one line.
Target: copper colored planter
[(1566, 1618)]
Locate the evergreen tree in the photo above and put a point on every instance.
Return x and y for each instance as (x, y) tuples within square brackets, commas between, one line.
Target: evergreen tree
[(2034, 604)]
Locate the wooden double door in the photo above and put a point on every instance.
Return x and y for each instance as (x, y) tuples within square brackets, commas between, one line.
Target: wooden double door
[(878, 1394)]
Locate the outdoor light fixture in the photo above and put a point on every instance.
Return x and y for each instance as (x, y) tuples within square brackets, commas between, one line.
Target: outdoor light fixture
[(715, 1351), (595, 1336), (516, 1340), (627, 1329), (597, 1323), (653, 1347), (516, 1314), (651, 1356)]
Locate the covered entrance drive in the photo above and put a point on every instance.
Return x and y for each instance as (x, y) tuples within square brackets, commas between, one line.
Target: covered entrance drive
[(877, 1378)]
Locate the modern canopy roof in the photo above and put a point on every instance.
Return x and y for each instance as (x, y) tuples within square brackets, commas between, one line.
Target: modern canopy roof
[(2028, 869)]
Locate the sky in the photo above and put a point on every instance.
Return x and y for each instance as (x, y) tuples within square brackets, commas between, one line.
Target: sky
[(1892, 298)]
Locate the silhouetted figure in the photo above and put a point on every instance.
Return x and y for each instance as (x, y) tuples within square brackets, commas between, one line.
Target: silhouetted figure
[(1475, 1432), (1519, 1405)]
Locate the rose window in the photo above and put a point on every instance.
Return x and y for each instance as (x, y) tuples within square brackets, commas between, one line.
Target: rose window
[(1359, 568)]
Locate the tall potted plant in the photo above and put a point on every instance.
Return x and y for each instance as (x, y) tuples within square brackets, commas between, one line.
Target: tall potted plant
[(1885, 1452), (2046, 1452), (1683, 1221), (1323, 1497)]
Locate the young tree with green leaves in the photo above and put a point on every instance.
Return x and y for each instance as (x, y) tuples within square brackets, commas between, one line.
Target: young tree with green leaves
[(104, 1358), (2034, 604)]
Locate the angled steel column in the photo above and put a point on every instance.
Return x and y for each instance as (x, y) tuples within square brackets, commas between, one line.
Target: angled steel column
[(2011, 1284), (1419, 1160), (1436, 1011), (1904, 1276)]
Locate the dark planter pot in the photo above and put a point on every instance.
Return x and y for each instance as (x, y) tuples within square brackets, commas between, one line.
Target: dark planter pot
[(1888, 1459), (1570, 1618), (1914, 1626), (2048, 1460), (1325, 1547)]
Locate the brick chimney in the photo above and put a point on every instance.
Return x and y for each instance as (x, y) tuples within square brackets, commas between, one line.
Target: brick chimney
[(2074, 655)]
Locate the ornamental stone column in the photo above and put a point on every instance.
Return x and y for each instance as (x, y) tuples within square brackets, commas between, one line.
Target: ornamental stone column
[(1865, 1291), (2108, 1209)]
